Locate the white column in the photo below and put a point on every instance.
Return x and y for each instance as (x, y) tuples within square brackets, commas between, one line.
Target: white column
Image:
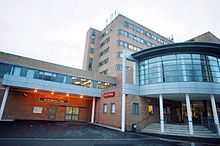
[(161, 113), (93, 110), (123, 69), (4, 102), (134, 73), (215, 114), (123, 100), (189, 114), (123, 113)]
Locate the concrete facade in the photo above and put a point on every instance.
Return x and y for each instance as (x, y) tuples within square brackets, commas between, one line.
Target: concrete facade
[(106, 44)]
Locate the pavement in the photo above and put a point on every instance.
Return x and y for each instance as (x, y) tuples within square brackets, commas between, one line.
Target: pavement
[(45, 133)]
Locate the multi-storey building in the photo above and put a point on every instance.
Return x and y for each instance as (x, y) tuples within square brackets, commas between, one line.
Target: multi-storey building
[(103, 49), (171, 86)]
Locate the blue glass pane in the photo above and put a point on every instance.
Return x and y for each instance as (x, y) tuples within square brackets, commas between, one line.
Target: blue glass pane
[(169, 57), (4, 69), (181, 67)]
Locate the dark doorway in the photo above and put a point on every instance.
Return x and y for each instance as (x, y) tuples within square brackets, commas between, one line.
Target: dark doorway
[(52, 113)]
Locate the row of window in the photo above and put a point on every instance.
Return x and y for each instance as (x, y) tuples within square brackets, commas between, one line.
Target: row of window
[(118, 67), (144, 32), (136, 38), (135, 108), (127, 45), (179, 68), (105, 61), (105, 108), (50, 76)]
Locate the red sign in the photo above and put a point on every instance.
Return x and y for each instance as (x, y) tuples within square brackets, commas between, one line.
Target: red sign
[(109, 94)]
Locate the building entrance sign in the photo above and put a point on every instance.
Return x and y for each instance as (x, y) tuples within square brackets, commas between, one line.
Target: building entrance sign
[(109, 94)]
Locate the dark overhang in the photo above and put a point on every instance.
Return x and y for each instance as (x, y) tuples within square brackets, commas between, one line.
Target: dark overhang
[(212, 49)]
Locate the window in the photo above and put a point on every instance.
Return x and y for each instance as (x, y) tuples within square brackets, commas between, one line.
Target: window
[(104, 52), (143, 31), (135, 38), (106, 32), (129, 46), (120, 54), (93, 34), (23, 72), (150, 109), (91, 50), (118, 67), (104, 72), (113, 108), (105, 108), (90, 63), (105, 41), (92, 37), (48, 76), (37, 110), (71, 113), (179, 68), (4, 69), (92, 41), (135, 108), (105, 61)]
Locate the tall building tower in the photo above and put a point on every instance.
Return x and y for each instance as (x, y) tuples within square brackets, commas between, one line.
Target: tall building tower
[(103, 49)]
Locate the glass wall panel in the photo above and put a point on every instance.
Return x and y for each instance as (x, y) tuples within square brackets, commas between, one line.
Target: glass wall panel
[(4, 69), (180, 68), (50, 76)]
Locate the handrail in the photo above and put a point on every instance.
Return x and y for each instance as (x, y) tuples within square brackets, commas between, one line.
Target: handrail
[(146, 120)]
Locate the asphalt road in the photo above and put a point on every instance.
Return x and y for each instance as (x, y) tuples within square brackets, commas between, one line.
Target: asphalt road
[(42, 133)]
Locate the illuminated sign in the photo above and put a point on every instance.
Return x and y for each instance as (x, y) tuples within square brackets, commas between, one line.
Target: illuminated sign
[(53, 100), (150, 109), (37, 109), (109, 94)]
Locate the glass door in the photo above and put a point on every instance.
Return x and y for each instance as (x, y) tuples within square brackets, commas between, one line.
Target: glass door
[(72, 113)]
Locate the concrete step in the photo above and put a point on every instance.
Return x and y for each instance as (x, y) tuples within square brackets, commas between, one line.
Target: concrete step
[(183, 133), (181, 130)]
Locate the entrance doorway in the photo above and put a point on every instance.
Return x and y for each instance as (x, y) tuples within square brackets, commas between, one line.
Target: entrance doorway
[(172, 112), (199, 112), (72, 113), (176, 112), (52, 113)]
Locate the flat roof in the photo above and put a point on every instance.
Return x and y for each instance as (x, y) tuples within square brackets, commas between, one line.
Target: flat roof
[(185, 47)]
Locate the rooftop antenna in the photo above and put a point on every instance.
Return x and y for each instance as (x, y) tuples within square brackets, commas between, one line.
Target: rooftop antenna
[(171, 38), (111, 17)]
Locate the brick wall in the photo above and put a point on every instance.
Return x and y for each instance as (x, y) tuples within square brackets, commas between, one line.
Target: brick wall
[(20, 106), (143, 118), (111, 119)]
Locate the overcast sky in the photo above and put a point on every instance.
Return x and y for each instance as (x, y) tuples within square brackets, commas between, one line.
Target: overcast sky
[(55, 30)]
